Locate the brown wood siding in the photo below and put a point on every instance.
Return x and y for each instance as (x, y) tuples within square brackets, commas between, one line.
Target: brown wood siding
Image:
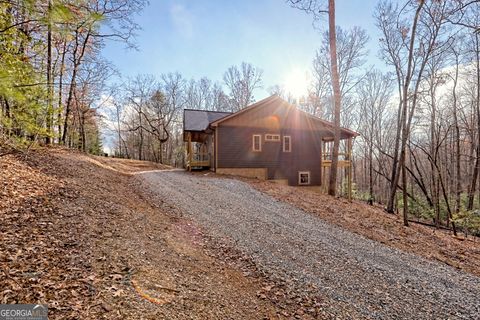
[(275, 116), (235, 151)]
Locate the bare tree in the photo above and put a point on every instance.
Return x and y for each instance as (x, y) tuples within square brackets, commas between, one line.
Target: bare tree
[(374, 93), (317, 8), (242, 81), (351, 57), (332, 185), (116, 19), (409, 49), (473, 50), (137, 96)]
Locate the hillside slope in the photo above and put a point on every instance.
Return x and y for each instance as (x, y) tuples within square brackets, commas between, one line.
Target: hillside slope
[(83, 235), (76, 235)]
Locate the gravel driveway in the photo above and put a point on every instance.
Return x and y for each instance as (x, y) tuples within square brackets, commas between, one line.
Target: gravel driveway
[(355, 274)]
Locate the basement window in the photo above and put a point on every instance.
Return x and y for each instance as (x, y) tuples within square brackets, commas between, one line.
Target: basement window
[(272, 137), (257, 143), (287, 144), (304, 178)]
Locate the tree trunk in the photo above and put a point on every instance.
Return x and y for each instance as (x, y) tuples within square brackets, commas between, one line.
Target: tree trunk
[(83, 136), (394, 178), (458, 185), (73, 83), (405, 130), (119, 132), (433, 159), (332, 185), (370, 171), (68, 108), (140, 146), (473, 183), (60, 91), (7, 108), (49, 121)]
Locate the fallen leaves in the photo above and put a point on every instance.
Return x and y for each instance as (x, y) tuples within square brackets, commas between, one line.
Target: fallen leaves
[(75, 235), (45, 250)]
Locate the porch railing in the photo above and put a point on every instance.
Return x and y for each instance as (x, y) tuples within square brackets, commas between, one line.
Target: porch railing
[(343, 159), (198, 160)]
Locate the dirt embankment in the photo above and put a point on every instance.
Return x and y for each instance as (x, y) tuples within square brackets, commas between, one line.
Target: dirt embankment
[(75, 234)]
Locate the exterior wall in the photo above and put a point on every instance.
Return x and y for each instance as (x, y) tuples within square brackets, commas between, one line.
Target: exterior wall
[(235, 151), (235, 137)]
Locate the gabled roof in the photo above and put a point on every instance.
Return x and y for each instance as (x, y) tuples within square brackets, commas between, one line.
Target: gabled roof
[(250, 107), (199, 120), (273, 98)]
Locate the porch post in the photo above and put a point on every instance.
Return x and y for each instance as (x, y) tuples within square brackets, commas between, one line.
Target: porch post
[(324, 168), (189, 151), (215, 133), (349, 168)]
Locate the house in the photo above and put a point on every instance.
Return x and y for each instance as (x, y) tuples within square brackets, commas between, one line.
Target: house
[(270, 139)]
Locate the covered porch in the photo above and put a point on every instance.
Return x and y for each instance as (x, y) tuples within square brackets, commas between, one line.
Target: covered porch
[(344, 167), (199, 138), (199, 150)]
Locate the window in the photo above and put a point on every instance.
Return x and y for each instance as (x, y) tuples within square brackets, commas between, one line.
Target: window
[(272, 137), (257, 143), (287, 144), (304, 177)]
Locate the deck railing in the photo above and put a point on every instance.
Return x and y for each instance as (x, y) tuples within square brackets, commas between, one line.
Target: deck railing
[(329, 156), (343, 159), (198, 160)]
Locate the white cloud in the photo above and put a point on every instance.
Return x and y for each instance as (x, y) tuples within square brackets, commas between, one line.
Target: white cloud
[(182, 20)]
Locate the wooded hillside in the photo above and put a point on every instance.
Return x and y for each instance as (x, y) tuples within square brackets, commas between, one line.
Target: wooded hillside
[(418, 115)]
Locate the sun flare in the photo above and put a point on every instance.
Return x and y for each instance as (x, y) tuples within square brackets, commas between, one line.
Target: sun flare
[(296, 83)]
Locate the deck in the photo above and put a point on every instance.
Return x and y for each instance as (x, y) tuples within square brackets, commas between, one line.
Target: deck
[(343, 159), (198, 160)]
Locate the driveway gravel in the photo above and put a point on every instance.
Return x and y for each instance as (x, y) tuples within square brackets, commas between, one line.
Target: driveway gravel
[(364, 278)]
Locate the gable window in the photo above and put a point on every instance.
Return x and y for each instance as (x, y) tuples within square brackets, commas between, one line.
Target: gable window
[(272, 137), (287, 144), (304, 178), (257, 143)]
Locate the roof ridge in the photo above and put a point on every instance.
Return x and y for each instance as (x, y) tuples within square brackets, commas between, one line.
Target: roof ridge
[(247, 108), (201, 110)]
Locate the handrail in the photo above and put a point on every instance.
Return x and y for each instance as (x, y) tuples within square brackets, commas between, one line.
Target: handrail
[(329, 156), (198, 158)]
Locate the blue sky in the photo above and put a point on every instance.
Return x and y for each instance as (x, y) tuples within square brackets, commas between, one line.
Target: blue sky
[(203, 38)]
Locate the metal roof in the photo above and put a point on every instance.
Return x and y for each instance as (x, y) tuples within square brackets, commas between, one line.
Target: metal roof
[(198, 120)]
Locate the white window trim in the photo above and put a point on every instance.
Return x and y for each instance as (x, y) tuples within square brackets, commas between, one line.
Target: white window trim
[(290, 144), (273, 137), (259, 144), (300, 173)]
